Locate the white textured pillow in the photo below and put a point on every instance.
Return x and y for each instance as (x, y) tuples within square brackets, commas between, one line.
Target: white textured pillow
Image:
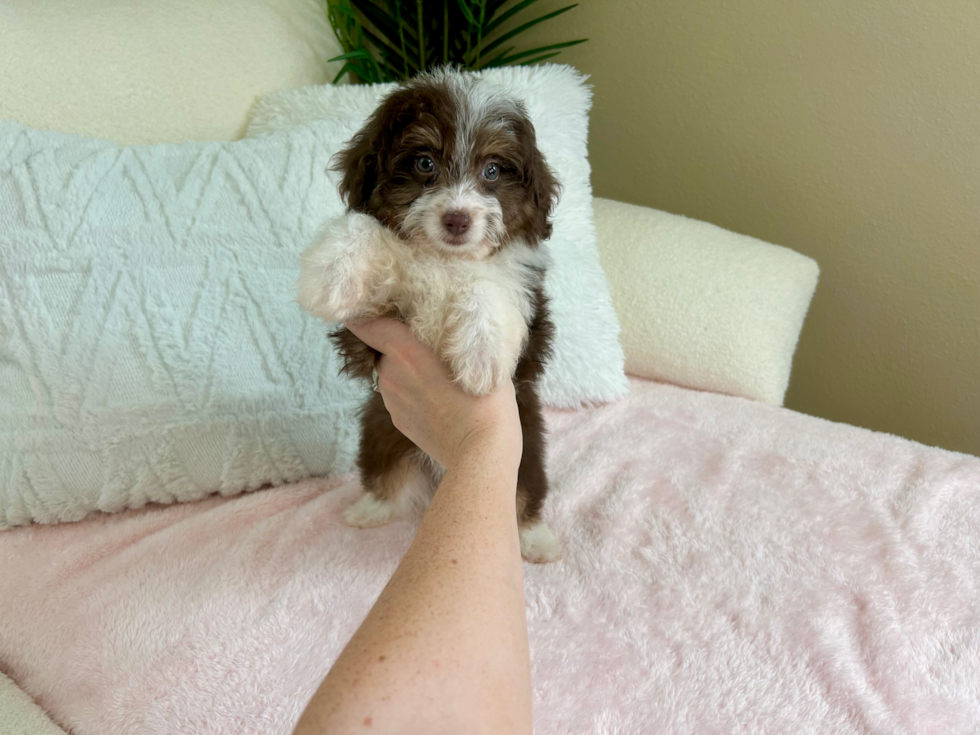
[(588, 361), (703, 307), (150, 347)]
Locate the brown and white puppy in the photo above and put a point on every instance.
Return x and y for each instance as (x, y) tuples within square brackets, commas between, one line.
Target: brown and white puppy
[(448, 200)]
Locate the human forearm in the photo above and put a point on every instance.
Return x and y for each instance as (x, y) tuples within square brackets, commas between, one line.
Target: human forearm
[(456, 600)]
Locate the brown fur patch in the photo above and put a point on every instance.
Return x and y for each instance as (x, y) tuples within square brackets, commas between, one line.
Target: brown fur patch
[(378, 165), (527, 188), (383, 449), (532, 480)]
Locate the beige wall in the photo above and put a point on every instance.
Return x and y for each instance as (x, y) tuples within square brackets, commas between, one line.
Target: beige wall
[(848, 130)]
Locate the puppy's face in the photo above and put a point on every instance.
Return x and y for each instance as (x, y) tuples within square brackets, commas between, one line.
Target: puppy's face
[(452, 166)]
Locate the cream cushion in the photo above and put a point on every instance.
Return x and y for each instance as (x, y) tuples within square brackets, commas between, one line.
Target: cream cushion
[(20, 715), (700, 306), (143, 71)]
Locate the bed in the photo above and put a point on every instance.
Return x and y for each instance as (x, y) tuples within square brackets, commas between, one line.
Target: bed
[(730, 567)]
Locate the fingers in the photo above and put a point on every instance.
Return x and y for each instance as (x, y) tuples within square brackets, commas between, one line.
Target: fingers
[(380, 334), (394, 339)]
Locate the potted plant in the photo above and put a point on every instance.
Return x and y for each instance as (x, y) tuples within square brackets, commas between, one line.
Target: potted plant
[(393, 40)]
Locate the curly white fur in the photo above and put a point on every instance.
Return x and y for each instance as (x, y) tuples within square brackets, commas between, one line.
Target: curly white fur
[(474, 313)]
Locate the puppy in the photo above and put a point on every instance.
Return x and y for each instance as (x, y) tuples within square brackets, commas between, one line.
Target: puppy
[(448, 201)]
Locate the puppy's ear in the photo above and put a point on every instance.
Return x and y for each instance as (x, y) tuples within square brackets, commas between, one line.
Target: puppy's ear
[(364, 160), (540, 184), (358, 164)]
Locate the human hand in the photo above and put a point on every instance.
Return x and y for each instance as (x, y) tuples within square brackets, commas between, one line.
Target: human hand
[(426, 405)]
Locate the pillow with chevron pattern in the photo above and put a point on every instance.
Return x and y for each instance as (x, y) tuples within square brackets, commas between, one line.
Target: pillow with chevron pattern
[(150, 346)]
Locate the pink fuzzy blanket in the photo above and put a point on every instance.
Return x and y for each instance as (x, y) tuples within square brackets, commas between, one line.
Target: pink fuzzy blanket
[(730, 568)]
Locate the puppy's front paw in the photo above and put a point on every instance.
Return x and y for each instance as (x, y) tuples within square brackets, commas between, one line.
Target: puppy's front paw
[(335, 270), (483, 355), (479, 372), (329, 284), (485, 342)]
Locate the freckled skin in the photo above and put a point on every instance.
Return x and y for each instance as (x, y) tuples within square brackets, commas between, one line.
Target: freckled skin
[(466, 619)]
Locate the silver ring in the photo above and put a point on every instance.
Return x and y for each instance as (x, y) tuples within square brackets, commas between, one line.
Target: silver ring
[(374, 381)]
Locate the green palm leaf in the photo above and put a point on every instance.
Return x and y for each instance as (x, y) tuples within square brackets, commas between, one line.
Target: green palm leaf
[(539, 58), (514, 57), (385, 40), (496, 23), (520, 29), (467, 12)]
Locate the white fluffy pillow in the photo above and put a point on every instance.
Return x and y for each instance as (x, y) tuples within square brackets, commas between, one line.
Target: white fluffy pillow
[(588, 362), (703, 307)]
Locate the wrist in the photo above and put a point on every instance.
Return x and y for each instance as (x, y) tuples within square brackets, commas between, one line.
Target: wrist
[(495, 446)]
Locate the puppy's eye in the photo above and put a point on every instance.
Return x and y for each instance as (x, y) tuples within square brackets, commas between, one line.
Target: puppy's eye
[(425, 165), (491, 172)]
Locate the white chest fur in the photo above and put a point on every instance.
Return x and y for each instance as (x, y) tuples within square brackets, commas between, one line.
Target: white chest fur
[(473, 313)]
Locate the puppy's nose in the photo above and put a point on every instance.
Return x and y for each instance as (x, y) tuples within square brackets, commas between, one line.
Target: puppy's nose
[(457, 222)]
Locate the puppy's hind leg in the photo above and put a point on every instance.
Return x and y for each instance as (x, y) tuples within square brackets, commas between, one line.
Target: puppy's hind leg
[(398, 492), (539, 545), (397, 482), (538, 542)]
